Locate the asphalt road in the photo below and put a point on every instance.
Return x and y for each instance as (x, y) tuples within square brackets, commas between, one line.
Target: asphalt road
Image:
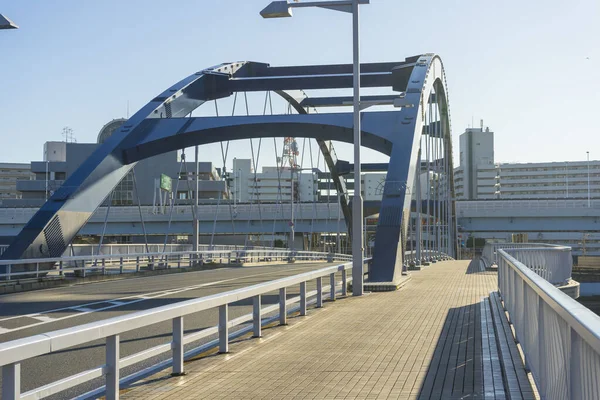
[(30, 313)]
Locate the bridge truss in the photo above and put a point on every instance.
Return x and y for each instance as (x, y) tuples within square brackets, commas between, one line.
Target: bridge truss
[(409, 123)]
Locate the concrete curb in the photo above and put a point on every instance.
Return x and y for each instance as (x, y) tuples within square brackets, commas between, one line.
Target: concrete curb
[(571, 289), (387, 286)]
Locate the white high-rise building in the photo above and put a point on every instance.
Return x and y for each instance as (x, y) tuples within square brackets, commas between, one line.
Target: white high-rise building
[(245, 189), (476, 152), (478, 177)]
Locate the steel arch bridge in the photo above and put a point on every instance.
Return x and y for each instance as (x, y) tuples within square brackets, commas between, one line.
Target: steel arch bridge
[(414, 131)]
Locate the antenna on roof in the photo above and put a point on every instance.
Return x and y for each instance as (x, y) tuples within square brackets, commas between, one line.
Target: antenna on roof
[(68, 135)]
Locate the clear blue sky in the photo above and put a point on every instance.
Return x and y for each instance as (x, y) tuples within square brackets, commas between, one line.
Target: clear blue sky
[(528, 68)]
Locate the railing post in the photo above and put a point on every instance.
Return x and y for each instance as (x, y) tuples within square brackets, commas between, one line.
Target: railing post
[(137, 264), (104, 265), (37, 269), (120, 265), (152, 263), (344, 282), (319, 292), (177, 347), (332, 284), (179, 261), (9, 267), (256, 316), (282, 306), (542, 349), (11, 381), (112, 367), (60, 268), (303, 298), (574, 363), (223, 328)]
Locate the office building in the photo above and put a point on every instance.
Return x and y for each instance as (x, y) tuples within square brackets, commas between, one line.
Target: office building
[(61, 159), (10, 173)]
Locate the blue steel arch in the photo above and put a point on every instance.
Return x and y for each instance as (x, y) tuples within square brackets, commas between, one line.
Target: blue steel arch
[(161, 126)]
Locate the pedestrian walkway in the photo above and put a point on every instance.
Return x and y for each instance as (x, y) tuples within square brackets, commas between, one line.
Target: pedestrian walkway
[(423, 341)]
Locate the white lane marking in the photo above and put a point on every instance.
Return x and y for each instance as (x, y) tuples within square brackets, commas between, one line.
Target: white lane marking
[(83, 310), (43, 318), (121, 300), (117, 303)]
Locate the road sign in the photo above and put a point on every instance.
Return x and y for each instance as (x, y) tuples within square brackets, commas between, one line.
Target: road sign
[(166, 183)]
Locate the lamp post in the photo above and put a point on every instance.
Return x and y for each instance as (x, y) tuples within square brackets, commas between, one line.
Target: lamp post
[(282, 9), (588, 168), (567, 177), (196, 225)]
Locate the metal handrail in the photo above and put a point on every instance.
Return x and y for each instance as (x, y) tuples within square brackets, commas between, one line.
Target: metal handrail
[(158, 259), (554, 264), (13, 353), (490, 256), (560, 338)]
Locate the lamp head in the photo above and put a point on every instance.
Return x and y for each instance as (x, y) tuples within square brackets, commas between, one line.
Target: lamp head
[(277, 9), (6, 23)]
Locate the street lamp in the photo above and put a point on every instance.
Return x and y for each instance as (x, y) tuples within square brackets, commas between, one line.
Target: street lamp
[(6, 23), (282, 9)]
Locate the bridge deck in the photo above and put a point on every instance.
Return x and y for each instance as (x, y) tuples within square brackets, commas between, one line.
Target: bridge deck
[(423, 341)]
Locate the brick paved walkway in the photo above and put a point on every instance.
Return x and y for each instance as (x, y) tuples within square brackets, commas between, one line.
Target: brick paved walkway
[(422, 341)]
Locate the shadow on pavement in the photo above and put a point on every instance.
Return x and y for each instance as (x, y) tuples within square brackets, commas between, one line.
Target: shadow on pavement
[(456, 368)]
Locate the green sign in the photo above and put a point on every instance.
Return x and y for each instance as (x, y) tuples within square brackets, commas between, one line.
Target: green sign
[(166, 183)]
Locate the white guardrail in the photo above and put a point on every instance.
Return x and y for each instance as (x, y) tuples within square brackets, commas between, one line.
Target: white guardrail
[(555, 263), (127, 263), (128, 248), (560, 337), (490, 250), (13, 353)]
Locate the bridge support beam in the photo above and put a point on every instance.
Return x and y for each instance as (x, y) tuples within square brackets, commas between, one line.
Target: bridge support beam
[(164, 125)]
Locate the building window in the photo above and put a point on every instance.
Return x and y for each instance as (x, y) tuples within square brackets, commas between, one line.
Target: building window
[(123, 193)]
